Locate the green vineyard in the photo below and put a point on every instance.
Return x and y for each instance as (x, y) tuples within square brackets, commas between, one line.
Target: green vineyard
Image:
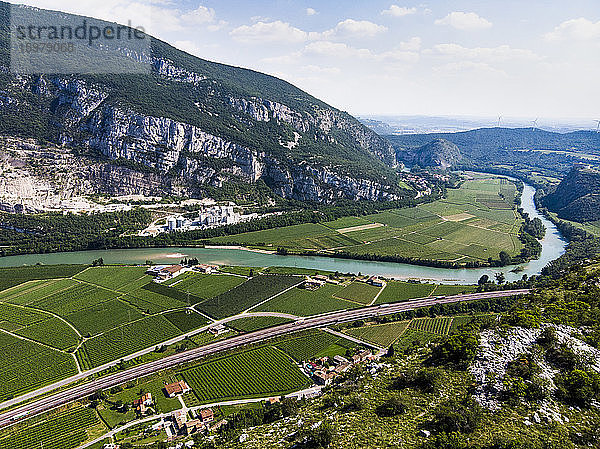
[(440, 326), (314, 344), (64, 431), (246, 295), (262, 371)]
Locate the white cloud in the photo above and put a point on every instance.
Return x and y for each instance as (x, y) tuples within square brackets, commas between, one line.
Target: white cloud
[(464, 21), (276, 31), (580, 29), (460, 68), (491, 54), (199, 16), (398, 11), (336, 49), (315, 69), (311, 11), (353, 28), (414, 44)]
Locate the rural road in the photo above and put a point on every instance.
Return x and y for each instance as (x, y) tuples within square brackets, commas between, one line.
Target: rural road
[(81, 391)]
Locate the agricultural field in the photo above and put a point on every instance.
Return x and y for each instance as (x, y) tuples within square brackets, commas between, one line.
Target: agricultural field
[(64, 430), (52, 332), (449, 290), (359, 292), (27, 366), (396, 291), (246, 295), (101, 317), (9, 277), (303, 302), (475, 222), (261, 371), (382, 335), (256, 323), (186, 320), (206, 286), (115, 277), (440, 326), (127, 339), (311, 344)]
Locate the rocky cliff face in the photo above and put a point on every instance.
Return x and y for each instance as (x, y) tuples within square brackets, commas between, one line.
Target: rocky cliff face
[(193, 124)]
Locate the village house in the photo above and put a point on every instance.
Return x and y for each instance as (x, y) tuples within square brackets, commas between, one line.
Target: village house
[(142, 403), (338, 359), (207, 415), (272, 401), (180, 418), (323, 378), (193, 426), (362, 356), (176, 388), (313, 284)]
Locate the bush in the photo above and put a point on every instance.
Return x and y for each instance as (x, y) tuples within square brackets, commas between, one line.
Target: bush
[(548, 338), (319, 437), (428, 380), (391, 407), (457, 416), (578, 387)]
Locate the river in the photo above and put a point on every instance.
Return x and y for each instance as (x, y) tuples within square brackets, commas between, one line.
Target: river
[(553, 246)]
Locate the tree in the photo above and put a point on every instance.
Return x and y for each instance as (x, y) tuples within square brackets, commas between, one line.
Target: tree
[(500, 278), (483, 280), (505, 258), (390, 351)]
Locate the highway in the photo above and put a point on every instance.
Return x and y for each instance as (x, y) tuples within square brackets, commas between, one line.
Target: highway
[(81, 391)]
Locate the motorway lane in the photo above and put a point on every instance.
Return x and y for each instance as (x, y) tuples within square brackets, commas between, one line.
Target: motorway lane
[(84, 390)]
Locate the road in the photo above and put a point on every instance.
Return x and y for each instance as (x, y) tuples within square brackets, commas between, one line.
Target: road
[(81, 391)]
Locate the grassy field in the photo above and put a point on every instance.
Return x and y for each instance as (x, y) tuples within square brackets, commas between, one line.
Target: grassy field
[(359, 292), (382, 335), (65, 430), (313, 344), (256, 323), (475, 222), (302, 302), (262, 371), (246, 295)]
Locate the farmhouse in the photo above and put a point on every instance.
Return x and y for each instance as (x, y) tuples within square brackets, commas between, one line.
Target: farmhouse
[(362, 356), (218, 329), (338, 359), (272, 401), (177, 388), (206, 268), (375, 281), (313, 284), (142, 403)]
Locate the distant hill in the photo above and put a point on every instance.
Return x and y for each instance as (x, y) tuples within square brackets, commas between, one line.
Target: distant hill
[(196, 125), (479, 142), (577, 197), (437, 153)]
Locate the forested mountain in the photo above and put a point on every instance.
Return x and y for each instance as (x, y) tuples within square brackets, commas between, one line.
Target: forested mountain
[(194, 124), (437, 153), (577, 197)]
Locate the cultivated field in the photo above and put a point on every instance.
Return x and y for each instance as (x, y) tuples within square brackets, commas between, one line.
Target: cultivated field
[(359, 292), (303, 302), (262, 371), (246, 295), (66, 430), (474, 223), (206, 285), (396, 291), (382, 335), (313, 344)]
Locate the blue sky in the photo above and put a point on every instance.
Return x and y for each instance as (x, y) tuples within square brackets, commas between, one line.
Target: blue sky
[(509, 57)]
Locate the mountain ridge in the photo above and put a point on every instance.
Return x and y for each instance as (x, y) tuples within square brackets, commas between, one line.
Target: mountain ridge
[(203, 124)]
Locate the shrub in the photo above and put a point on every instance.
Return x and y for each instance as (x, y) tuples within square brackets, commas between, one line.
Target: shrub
[(457, 416), (391, 407), (578, 387)]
